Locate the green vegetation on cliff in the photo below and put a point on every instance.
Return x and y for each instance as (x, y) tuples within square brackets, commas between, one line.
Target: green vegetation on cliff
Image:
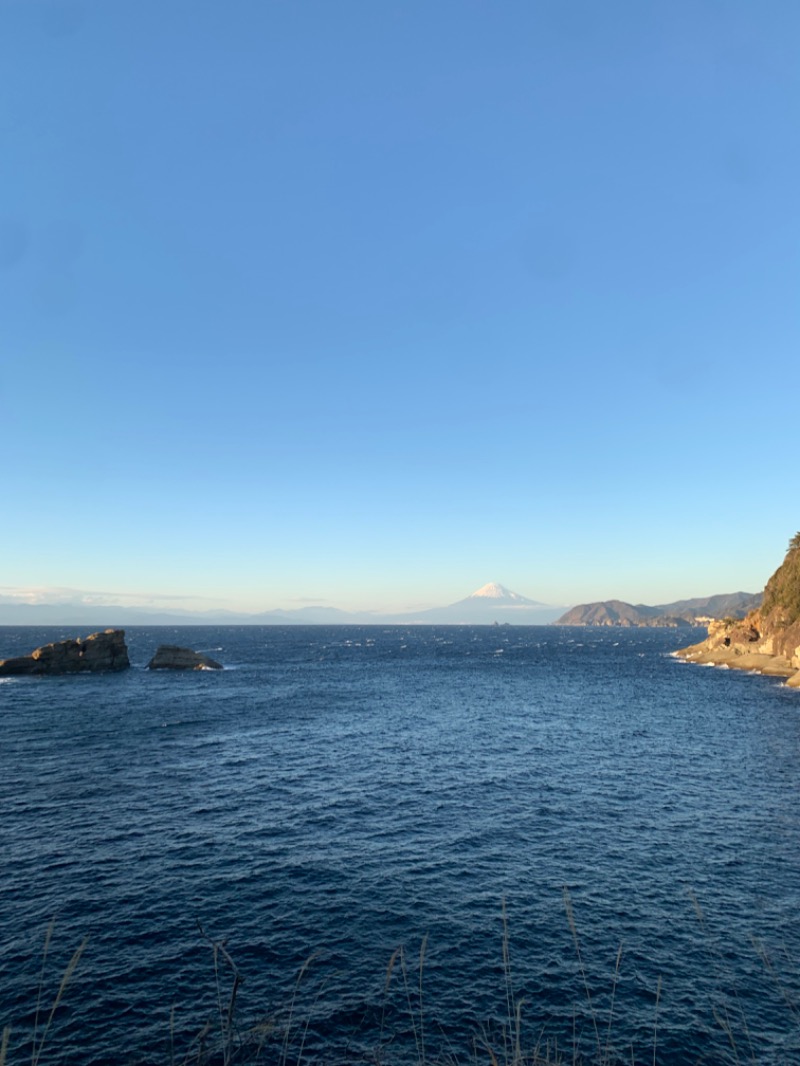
[(783, 588)]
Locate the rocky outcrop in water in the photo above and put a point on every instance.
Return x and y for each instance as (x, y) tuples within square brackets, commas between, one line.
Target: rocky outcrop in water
[(767, 640), (171, 657), (99, 653)]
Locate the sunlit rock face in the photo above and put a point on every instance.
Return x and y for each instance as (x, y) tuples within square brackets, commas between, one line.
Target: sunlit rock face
[(767, 639), (99, 653)]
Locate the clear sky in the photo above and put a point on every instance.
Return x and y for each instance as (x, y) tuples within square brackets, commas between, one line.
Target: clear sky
[(368, 303)]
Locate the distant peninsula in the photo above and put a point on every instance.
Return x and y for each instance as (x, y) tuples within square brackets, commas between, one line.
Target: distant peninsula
[(681, 613), (767, 640)]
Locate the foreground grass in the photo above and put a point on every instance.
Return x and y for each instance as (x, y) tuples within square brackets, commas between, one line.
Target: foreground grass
[(283, 1039)]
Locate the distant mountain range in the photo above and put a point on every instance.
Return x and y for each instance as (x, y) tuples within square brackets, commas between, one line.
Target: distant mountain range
[(493, 603), (680, 613), (489, 604)]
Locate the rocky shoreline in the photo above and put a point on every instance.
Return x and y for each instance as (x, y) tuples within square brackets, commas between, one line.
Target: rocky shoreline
[(743, 646), (767, 640)]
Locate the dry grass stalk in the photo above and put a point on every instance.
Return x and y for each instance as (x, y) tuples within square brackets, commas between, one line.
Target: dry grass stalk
[(574, 930), (72, 965), (226, 1014)]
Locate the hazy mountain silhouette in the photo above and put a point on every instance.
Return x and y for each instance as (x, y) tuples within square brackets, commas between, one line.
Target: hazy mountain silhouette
[(489, 604)]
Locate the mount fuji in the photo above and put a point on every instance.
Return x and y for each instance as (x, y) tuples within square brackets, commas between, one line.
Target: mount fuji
[(488, 604), (499, 594)]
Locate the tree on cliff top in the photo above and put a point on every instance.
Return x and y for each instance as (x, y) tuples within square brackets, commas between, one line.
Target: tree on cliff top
[(783, 588)]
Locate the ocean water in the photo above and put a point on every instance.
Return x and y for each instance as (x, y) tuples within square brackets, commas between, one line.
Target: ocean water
[(515, 805)]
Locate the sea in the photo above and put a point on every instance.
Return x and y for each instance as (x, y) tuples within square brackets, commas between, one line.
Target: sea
[(400, 845)]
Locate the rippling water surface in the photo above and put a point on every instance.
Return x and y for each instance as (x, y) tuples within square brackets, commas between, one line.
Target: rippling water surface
[(345, 791)]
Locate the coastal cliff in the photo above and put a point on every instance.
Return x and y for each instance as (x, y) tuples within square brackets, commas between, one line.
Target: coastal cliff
[(766, 640)]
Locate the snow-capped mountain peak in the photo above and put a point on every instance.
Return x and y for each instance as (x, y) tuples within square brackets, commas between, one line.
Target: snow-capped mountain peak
[(492, 602), (498, 594), (495, 591)]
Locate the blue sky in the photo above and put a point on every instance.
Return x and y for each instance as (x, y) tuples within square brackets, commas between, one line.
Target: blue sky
[(370, 303)]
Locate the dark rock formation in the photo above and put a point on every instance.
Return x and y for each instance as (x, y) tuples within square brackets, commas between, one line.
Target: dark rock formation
[(99, 653), (171, 657)]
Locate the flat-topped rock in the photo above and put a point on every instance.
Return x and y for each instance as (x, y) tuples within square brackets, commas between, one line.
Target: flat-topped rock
[(98, 653), (171, 657)]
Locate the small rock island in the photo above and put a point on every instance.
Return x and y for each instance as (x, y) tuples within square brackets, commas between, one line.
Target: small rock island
[(766, 640), (171, 657), (98, 653)]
